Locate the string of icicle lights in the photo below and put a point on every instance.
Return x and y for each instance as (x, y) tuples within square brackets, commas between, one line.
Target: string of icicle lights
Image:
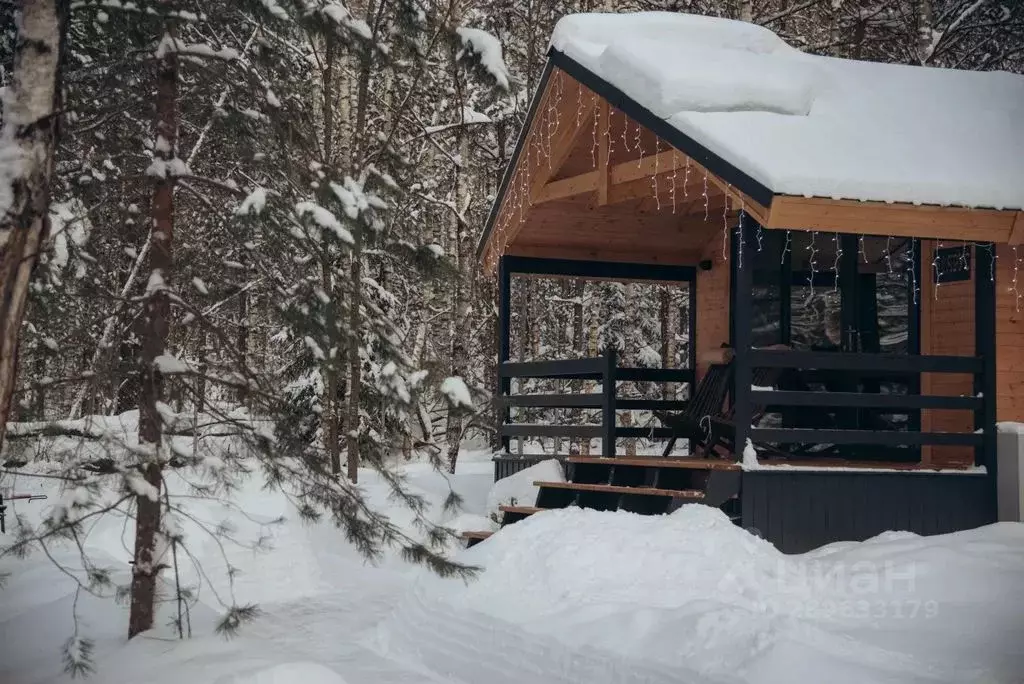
[(670, 172)]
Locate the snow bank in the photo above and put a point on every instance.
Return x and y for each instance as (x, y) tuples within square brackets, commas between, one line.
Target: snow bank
[(578, 595), (807, 125), (518, 489), (319, 596), (288, 673)]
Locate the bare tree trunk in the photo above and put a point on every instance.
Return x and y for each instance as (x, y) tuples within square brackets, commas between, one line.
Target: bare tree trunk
[(153, 331), (463, 292), (669, 326), (355, 379), (925, 27), (746, 10), (29, 135), (329, 421)]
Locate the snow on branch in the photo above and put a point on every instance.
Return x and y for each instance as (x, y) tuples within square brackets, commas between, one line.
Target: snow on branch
[(488, 49), (454, 388), (253, 204), (168, 168), (325, 219), (170, 45), (338, 13), (275, 9)]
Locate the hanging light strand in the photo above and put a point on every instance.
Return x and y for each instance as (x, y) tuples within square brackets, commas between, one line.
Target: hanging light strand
[(654, 178), (813, 249), (675, 170), (911, 256), (785, 248), (835, 264), (1016, 269), (706, 199), (741, 239), (725, 231), (686, 180)]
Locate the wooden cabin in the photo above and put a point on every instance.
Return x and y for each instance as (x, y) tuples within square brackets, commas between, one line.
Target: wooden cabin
[(639, 161)]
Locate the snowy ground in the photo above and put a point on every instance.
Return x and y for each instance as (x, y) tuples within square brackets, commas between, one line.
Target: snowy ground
[(566, 596)]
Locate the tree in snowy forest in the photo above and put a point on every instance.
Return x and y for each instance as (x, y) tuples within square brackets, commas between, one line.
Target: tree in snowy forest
[(249, 176), (28, 133)]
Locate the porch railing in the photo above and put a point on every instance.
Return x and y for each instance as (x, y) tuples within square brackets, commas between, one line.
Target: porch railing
[(861, 365), (603, 369)]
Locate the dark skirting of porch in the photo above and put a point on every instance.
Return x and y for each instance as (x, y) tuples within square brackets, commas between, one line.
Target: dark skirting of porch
[(801, 510)]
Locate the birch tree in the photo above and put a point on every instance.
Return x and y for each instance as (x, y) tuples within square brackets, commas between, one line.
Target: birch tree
[(27, 140)]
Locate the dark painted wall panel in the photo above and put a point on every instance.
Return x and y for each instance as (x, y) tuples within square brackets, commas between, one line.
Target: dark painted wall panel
[(800, 511)]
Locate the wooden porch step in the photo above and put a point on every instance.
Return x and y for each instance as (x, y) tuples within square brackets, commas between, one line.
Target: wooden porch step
[(617, 489), (657, 462), (522, 510), (479, 535), (474, 537)]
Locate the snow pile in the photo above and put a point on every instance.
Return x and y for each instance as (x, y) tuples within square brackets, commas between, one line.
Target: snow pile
[(518, 489), (578, 595), (288, 673), (320, 598), (807, 125)]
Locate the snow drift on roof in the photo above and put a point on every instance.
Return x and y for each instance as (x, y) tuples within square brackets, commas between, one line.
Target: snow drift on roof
[(814, 126)]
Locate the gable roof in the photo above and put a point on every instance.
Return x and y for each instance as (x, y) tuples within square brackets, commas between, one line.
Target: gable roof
[(804, 125)]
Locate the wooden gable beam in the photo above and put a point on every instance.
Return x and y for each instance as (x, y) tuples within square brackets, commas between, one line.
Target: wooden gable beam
[(1017, 232), (789, 212), (562, 144), (631, 180)]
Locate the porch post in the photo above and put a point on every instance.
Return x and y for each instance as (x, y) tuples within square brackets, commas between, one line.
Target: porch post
[(985, 348), (608, 402), (743, 269), (504, 346)]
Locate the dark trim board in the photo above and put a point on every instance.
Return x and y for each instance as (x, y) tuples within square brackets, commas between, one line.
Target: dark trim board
[(801, 510), (588, 268)]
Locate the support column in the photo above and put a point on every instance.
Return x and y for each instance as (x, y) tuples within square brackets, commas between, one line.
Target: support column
[(743, 269), (608, 404), (691, 336), (985, 349), (504, 347)]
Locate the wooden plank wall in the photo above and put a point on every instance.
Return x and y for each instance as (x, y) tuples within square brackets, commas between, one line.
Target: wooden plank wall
[(1009, 335), (712, 305), (947, 328)]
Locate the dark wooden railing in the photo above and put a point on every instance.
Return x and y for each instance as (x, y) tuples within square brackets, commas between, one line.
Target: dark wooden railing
[(856, 365), (603, 369)]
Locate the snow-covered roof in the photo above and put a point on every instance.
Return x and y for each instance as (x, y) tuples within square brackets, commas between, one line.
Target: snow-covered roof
[(814, 126)]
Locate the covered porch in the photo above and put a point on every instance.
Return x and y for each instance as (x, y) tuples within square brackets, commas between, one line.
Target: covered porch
[(851, 340)]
